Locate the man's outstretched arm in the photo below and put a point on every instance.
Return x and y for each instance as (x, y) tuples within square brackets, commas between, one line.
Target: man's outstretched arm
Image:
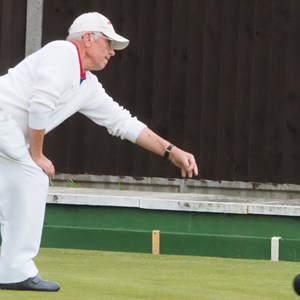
[(150, 141)]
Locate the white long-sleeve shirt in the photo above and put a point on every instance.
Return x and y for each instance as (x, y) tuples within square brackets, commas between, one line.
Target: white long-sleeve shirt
[(45, 89)]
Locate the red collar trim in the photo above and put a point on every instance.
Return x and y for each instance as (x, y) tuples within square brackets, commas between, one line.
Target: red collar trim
[(82, 73)]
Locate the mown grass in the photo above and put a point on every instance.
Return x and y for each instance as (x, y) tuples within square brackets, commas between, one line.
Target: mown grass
[(93, 275)]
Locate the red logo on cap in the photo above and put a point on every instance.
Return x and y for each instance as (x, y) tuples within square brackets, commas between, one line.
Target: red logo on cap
[(109, 22)]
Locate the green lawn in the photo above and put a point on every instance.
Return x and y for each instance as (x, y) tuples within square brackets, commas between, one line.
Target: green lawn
[(93, 275)]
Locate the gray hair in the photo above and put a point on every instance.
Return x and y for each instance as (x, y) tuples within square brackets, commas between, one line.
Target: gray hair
[(75, 36), (78, 35)]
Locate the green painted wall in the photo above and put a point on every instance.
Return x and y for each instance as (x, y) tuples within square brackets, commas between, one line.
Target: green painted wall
[(189, 233)]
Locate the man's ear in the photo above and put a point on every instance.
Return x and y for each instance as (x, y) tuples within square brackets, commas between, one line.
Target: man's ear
[(87, 39)]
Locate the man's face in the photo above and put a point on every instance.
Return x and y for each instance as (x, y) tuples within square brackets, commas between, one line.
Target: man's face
[(99, 52)]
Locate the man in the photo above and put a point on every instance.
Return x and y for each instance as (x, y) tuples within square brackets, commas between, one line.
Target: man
[(36, 96)]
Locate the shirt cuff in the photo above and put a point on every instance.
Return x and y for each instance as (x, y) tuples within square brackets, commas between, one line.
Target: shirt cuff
[(136, 128)]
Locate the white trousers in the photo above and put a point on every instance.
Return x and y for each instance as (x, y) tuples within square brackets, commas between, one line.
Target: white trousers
[(23, 192)]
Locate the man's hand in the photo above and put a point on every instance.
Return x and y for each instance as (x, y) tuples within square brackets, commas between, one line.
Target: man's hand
[(185, 161), (36, 141), (45, 164)]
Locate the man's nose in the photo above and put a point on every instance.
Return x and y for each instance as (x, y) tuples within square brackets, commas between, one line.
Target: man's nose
[(111, 52)]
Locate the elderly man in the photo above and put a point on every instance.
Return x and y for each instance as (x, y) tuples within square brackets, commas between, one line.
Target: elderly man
[(36, 96)]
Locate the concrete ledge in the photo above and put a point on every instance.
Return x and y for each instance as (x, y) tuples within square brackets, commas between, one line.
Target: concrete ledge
[(175, 185), (174, 201), (80, 197)]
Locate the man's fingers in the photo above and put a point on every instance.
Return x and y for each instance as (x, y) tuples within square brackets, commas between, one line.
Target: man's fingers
[(52, 172), (48, 168), (195, 170)]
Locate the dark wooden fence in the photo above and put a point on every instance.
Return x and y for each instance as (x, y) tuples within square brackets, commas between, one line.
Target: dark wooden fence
[(219, 78), (12, 33)]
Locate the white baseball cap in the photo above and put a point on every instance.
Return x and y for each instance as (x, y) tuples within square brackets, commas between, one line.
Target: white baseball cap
[(96, 22)]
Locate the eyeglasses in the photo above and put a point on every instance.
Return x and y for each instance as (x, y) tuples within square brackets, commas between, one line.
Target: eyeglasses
[(110, 41)]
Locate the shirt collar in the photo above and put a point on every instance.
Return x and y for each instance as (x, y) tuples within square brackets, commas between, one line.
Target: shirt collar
[(82, 73)]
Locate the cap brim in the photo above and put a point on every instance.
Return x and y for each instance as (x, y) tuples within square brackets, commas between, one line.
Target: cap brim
[(119, 42)]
